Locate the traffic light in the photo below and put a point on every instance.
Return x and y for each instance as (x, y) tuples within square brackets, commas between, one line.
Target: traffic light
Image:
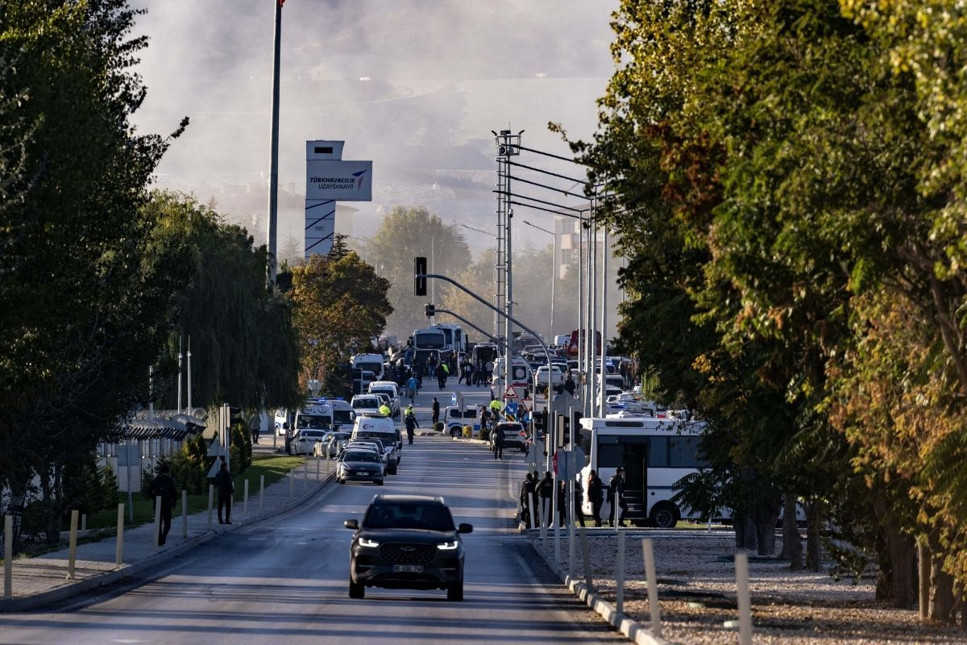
[(540, 423), (429, 310), (419, 276)]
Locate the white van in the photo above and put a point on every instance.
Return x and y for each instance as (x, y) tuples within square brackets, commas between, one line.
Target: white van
[(520, 376), (382, 428), (371, 362), (390, 388)]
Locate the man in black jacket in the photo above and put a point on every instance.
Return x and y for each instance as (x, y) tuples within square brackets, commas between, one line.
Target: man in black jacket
[(163, 486), (225, 488), (616, 496)]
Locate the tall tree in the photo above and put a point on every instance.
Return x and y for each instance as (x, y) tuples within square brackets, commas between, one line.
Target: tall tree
[(406, 233), (84, 314), (341, 307)]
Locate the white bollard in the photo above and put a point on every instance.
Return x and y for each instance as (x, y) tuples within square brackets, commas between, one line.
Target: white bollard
[(8, 556), (184, 514), (245, 502), (261, 491), (651, 579), (72, 548), (619, 576), (119, 549), (742, 596), (586, 560), (305, 475)]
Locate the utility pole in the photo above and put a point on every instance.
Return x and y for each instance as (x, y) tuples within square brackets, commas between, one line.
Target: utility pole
[(273, 223), (508, 145)]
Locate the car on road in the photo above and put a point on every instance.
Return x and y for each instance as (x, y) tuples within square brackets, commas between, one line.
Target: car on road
[(515, 436), (375, 426), (556, 376), (332, 443), (387, 453), (366, 404), (304, 442), (359, 464), (407, 542), (392, 390)]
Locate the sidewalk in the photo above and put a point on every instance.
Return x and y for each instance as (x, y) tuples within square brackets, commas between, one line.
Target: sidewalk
[(43, 580)]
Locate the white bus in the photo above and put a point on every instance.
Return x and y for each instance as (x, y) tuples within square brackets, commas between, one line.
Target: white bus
[(430, 338), (655, 455), (370, 362)]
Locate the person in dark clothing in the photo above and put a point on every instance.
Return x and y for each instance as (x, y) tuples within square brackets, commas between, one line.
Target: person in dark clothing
[(409, 420), (616, 496), (569, 385), (441, 376), (224, 487), (498, 445), (578, 502), (436, 412), (546, 491), (595, 496), (562, 502), (163, 486), (527, 500)]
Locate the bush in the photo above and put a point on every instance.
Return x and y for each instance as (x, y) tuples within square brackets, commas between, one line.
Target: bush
[(438, 426), (189, 468), (485, 434)]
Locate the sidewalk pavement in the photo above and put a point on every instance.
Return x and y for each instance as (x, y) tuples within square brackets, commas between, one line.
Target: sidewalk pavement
[(40, 581)]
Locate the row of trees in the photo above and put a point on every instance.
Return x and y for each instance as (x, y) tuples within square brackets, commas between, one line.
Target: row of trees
[(102, 279), (788, 179)]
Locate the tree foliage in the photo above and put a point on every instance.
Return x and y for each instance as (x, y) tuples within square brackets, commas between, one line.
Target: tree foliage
[(340, 307)]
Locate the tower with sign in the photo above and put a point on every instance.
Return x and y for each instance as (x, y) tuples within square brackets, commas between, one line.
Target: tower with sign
[(329, 179)]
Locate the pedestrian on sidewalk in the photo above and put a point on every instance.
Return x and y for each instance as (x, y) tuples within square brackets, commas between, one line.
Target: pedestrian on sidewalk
[(225, 488), (546, 491), (435, 408), (526, 498), (163, 486), (409, 420), (595, 496)]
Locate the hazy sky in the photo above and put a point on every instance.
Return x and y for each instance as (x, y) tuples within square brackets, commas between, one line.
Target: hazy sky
[(414, 85)]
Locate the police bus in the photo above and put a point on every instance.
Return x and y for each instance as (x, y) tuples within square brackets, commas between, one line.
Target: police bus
[(655, 455)]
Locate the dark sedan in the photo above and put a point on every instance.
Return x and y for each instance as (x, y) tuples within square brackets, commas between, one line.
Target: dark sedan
[(359, 465), (407, 542)]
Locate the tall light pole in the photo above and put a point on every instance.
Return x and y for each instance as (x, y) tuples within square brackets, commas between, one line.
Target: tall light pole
[(553, 267), (273, 223)]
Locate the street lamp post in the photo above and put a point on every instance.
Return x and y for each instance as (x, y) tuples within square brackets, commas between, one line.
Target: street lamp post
[(273, 222), (553, 267)]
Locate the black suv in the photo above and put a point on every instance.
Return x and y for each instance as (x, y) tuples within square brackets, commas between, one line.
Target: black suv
[(407, 542)]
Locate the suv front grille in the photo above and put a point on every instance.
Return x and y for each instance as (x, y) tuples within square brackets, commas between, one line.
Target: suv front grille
[(396, 553)]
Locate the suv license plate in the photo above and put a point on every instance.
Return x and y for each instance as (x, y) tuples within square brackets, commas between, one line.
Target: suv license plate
[(408, 568)]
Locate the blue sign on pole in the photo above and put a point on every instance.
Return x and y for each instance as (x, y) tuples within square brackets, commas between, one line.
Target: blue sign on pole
[(511, 408)]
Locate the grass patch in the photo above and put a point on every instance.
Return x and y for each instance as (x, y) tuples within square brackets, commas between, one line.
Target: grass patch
[(274, 467)]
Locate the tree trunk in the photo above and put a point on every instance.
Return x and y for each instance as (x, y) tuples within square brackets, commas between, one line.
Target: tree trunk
[(815, 512), (791, 540), (923, 570), (942, 602)]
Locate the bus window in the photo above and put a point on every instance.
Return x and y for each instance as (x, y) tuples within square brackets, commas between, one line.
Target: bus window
[(683, 453), (609, 455), (658, 452)]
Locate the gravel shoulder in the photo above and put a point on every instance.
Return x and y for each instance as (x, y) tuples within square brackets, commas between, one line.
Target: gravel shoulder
[(697, 594)]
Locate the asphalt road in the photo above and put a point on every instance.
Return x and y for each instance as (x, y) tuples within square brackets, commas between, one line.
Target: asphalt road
[(286, 580)]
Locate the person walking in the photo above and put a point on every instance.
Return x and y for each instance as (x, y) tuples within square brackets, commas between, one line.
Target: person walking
[(412, 385), (578, 501), (435, 408), (595, 496), (616, 496), (498, 435), (562, 502), (527, 499), (409, 420), (546, 491), (224, 487), (163, 486)]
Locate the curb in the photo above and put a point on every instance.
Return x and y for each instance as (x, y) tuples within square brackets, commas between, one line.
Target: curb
[(139, 569), (635, 631)]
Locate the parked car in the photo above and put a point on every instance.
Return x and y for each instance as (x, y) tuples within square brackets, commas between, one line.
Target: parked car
[(407, 542), (366, 404), (359, 464), (391, 389), (332, 444), (515, 436), (387, 454), (304, 441)]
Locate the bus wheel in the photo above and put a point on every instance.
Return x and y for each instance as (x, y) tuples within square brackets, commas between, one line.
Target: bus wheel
[(663, 516)]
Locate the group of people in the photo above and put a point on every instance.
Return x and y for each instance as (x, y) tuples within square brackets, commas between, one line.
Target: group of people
[(163, 488), (536, 493)]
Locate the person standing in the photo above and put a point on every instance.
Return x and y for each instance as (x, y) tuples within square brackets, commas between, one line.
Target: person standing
[(546, 491), (578, 501), (616, 496), (409, 420), (595, 496), (224, 487), (163, 486), (498, 444), (435, 408), (412, 385), (527, 499)]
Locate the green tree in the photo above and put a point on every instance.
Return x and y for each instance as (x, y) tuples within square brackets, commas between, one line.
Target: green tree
[(85, 308), (406, 233), (340, 307)]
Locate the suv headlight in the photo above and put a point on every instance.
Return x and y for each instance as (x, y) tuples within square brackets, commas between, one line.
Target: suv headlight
[(369, 544), (448, 546)]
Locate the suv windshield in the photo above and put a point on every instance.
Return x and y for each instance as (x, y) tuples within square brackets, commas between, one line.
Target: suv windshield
[(427, 517), (360, 455)]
